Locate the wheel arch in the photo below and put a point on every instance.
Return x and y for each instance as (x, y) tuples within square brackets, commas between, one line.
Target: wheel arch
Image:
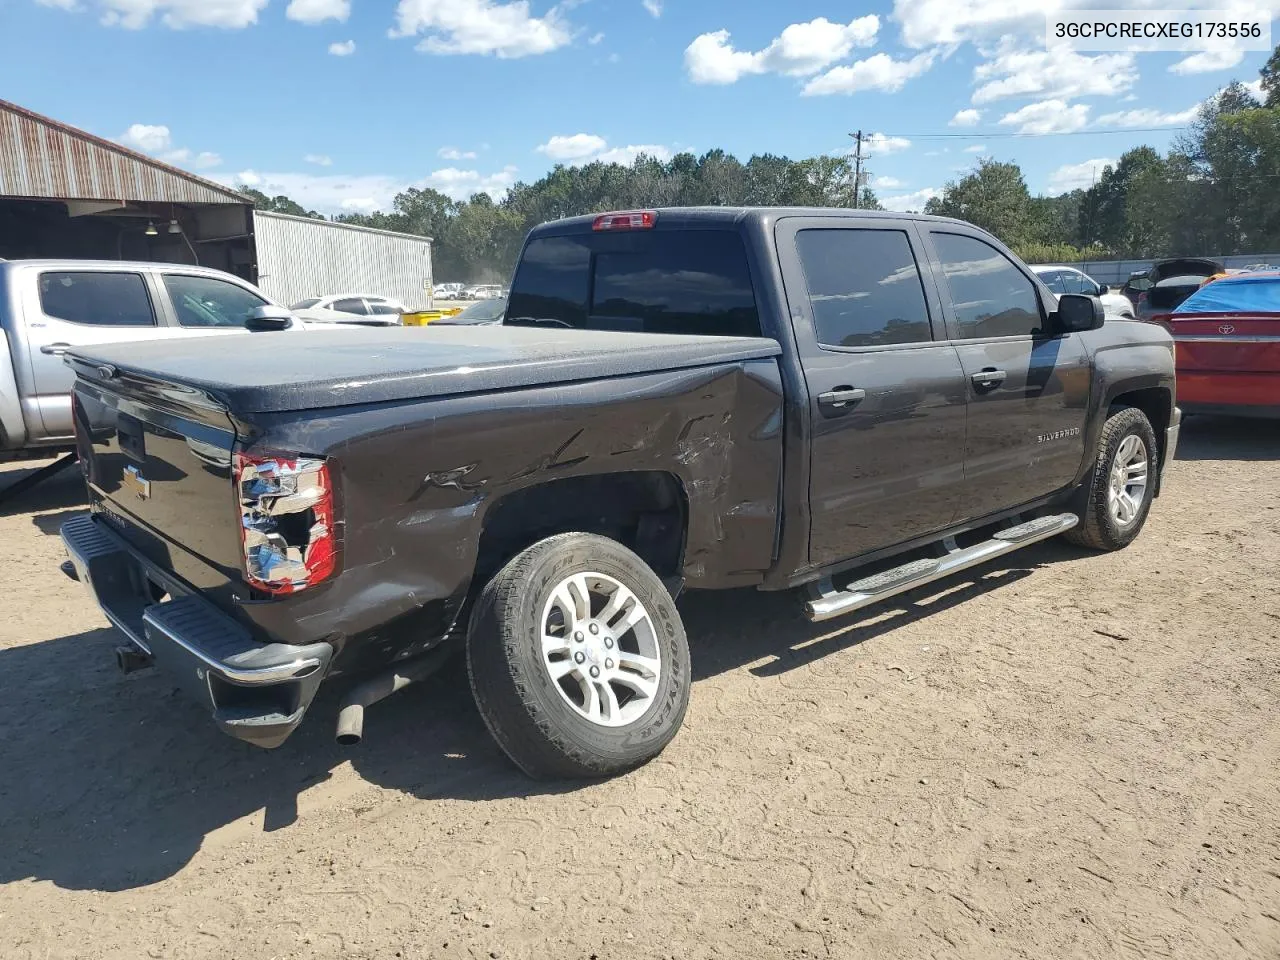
[(646, 511)]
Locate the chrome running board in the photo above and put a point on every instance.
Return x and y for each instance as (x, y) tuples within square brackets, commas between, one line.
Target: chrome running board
[(825, 601)]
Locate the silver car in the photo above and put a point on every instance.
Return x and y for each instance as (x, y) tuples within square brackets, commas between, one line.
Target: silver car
[(48, 307)]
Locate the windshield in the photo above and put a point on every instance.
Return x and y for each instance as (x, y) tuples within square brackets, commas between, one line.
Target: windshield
[(484, 311), (661, 281)]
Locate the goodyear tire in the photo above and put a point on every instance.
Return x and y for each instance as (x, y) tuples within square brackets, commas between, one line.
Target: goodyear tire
[(578, 659), (1115, 500)]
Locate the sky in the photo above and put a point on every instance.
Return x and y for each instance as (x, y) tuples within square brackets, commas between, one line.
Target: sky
[(343, 103)]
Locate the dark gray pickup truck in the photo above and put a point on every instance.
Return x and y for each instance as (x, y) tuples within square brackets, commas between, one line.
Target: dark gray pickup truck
[(851, 403)]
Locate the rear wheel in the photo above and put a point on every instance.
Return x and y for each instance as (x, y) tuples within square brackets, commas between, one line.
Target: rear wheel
[(1117, 496), (578, 659)]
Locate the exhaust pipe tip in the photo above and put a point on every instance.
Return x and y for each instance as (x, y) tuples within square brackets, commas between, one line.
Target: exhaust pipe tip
[(350, 725), (130, 659)]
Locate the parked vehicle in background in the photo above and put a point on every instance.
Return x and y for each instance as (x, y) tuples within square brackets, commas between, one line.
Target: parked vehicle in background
[(1061, 279), (350, 308), (48, 307), (1227, 335), (854, 402), (486, 312), (487, 291), (1172, 281), (1137, 284), (446, 291)]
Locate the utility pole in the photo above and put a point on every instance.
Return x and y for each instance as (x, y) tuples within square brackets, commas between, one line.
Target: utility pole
[(858, 139)]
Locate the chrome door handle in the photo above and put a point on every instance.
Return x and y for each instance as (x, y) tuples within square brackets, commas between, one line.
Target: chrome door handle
[(55, 349), (989, 378), (841, 397)]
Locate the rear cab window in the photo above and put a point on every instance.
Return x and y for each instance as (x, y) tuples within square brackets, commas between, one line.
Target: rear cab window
[(645, 281), (97, 298)]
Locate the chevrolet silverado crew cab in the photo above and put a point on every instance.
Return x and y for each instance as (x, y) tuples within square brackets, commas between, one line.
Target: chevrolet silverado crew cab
[(847, 402)]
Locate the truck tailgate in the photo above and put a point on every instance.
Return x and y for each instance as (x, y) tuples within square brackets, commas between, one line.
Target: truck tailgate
[(158, 461)]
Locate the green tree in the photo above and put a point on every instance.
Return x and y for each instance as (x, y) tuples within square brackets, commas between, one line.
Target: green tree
[(277, 204), (994, 197)]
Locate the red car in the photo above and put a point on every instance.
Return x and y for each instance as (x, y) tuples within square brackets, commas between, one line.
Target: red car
[(1228, 345)]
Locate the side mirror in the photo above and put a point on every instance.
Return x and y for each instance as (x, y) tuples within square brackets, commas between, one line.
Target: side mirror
[(268, 317), (1103, 288), (1078, 313)]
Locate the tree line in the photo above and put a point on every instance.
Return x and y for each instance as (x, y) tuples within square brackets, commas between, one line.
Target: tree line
[(1214, 192)]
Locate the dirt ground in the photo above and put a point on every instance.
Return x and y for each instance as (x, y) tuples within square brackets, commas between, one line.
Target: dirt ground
[(1063, 755)]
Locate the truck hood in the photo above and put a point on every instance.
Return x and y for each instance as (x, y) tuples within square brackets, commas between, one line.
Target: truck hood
[(331, 368)]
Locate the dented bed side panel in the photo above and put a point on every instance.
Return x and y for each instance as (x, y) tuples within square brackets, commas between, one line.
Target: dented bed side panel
[(418, 479)]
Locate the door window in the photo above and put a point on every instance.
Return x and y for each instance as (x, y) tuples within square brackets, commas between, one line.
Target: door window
[(207, 302), (351, 305), (380, 308), (991, 297), (1054, 280), (97, 299), (864, 287)]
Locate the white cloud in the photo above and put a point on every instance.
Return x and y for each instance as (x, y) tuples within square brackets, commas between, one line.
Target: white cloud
[(880, 145), (1074, 176), (627, 155), (179, 14), (1207, 61), (583, 148), (319, 159), (146, 137), (800, 50), (344, 49), (1255, 88), (928, 22), (653, 6), (887, 183), (336, 193), (205, 160), (574, 147), (453, 153), (879, 72), (909, 201), (1147, 117), (507, 30), (965, 118), (1047, 116), (318, 11), (1052, 74), (976, 148), (595, 39)]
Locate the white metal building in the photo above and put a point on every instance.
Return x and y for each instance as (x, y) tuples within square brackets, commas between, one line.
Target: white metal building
[(299, 257), (66, 193)]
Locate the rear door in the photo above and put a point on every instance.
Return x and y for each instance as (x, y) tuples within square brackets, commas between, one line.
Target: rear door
[(886, 391), (1028, 388), (80, 308)]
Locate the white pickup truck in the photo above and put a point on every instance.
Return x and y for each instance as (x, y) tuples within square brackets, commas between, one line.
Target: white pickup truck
[(48, 307)]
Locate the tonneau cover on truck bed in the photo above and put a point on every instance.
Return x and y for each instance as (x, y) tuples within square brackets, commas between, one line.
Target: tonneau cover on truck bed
[(266, 373)]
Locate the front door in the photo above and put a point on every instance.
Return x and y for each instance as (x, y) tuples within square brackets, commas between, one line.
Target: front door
[(1028, 386), (887, 399)]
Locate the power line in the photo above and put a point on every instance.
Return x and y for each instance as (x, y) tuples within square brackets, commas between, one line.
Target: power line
[(1001, 136)]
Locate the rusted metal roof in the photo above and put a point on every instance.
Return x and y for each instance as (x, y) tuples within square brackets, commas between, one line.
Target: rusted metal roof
[(43, 158)]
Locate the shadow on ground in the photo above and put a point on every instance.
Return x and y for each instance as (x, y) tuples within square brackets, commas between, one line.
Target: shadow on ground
[(1229, 438), (113, 782), (62, 490)]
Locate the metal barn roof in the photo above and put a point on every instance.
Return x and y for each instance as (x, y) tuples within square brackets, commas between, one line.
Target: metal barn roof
[(43, 159)]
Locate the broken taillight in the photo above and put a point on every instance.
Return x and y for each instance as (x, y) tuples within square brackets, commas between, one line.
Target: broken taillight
[(286, 521)]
